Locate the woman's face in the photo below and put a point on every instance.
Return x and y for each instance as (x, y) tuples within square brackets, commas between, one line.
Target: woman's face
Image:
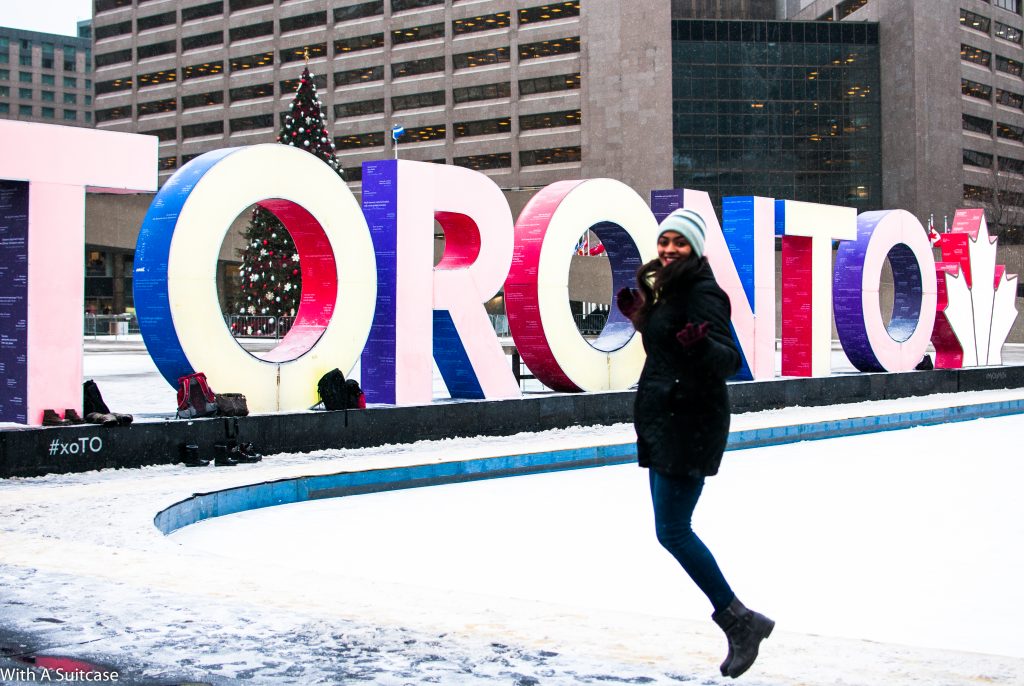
[(671, 247)]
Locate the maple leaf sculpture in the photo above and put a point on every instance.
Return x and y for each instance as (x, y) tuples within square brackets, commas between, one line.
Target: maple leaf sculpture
[(975, 309)]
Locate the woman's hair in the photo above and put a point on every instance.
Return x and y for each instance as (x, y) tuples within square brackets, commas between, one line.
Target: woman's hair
[(655, 279)]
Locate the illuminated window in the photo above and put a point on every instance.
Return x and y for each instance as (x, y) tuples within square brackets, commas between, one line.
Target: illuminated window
[(346, 45), (263, 59), (974, 21), (547, 48), (363, 75), (975, 55), (292, 85), (975, 90), (549, 120), (113, 86), (168, 163), (157, 106), (556, 10), (113, 113), (487, 22), (364, 140), (549, 84), (483, 127), (1005, 64), (298, 53), (1009, 131), (424, 133), (1009, 98), (157, 78), (1005, 32), (498, 160), (529, 158), (417, 33), (479, 58), (196, 71)]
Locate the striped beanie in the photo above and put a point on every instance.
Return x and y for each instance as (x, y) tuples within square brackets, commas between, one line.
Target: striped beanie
[(688, 224)]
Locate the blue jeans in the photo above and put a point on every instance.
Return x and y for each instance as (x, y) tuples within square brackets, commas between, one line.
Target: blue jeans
[(674, 500)]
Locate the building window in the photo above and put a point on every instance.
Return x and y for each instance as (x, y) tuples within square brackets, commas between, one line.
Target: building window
[(353, 173), (1009, 98), (196, 71), (71, 56), (359, 11), (121, 28), (239, 5), (156, 49), (491, 91), (499, 20), (977, 124), (245, 31), (1011, 164), (424, 133), (1008, 33), (359, 109), (975, 55), (547, 48), (116, 57), (203, 40), (305, 21), (211, 9), (70, 115), (292, 85), (428, 65), (157, 106), (48, 96), (5, 74), (1010, 5), (977, 193), (25, 93), (363, 75), (975, 90), (401, 5), (25, 110), (71, 81), (88, 101), (168, 163), (264, 59), (1009, 131), (298, 53), (974, 21), (263, 90), (556, 10), (47, 79), (346, 45), (211, 128), (483, 127), (1005, 64), (260, 121), (549, 84), (415, 100), (113, 86), (88, 117), (47, 56), (974, 158), (48, 112), (155, 21), (479, 58), (848, 7), (202, 100), (5, 91), (549, 120), (25, 76), (123, 112), (5, 108), (25, 61), (497, 160), (168, 134), (155, 78), (107, 5), (530, 158), (417, 33), (357, 141)]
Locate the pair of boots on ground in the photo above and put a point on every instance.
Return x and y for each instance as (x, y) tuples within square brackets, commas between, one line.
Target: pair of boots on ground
[(745, 630), (51, 418), (224, 454)]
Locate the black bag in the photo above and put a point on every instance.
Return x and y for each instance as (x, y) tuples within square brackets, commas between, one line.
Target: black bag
[(332, 391), (92, 401), (231, 405)]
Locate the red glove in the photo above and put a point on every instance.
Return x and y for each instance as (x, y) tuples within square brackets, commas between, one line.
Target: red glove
[(628, 300), (692, 334)]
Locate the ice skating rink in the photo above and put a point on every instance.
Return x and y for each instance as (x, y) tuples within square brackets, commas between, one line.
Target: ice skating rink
[(887, 558)]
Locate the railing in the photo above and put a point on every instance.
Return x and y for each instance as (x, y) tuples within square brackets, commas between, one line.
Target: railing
[(258, 326), (110, 325)]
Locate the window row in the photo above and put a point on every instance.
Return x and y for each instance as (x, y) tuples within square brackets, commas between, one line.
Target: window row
[(497, 20), (985, 126), (979, 22), (975, 158), (46, 112), (984, 58)]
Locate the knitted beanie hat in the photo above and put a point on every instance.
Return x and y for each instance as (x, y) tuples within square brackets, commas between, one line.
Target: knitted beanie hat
[(689, 225)]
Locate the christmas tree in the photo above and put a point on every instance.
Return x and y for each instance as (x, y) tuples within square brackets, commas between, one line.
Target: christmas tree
[(270, 272)]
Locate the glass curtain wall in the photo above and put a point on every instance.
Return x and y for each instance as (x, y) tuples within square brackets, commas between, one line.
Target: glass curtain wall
[(786, 110)]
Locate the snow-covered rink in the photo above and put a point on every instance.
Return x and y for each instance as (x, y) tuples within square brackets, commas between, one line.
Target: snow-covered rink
[(887, 558)]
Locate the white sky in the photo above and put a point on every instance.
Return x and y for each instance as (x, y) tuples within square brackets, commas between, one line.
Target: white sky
[(53, 16)]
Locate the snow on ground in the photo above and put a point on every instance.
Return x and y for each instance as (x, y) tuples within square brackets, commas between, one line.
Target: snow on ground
[(892, 558)]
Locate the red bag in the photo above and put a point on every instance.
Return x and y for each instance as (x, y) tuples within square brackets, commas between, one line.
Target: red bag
[(195, 399)]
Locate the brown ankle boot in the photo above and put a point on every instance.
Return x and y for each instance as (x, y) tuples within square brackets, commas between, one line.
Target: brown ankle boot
[(745, 630), (71, 415), (51, 418)]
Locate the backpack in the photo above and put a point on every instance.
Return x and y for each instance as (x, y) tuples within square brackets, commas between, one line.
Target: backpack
[(332, 390), (195, 399), (92, 401), (354, 397)]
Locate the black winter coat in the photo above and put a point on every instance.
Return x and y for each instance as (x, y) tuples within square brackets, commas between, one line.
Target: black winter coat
[(681, 412)]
